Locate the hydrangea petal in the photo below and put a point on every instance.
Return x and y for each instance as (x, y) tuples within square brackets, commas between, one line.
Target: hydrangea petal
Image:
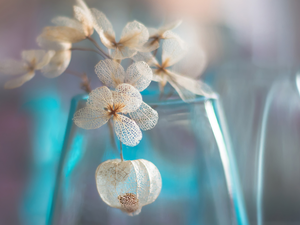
[(63, 34), (145, 117), (169, 26), (146, 57), (104, 28), (134, 35), (123, 52), (100, 98), (185, 94), (194, 86), (139, 75), (17, 82), (37, 58), (68, 22), (127, 96), (58, 64), (89, 118), (44, 43), (110, 73), (12, 67), (173, 50), (127, 130)]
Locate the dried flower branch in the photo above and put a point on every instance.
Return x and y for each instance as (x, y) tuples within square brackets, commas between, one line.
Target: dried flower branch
[(32, 60), (133, 36), (104, 104)]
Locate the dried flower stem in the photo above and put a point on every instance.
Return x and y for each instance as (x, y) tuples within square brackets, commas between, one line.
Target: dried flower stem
[(86, 49), (85, 84), (121, 151), (99, 48)]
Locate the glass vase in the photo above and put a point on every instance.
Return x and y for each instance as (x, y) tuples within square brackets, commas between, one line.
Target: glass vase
[(190, 148)]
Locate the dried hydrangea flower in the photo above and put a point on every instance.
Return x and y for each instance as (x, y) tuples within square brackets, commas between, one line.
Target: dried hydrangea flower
[(133, 37), (155, 35), (61, 37), (104, 104), (128, 185), (173, 51), (32, 60), (111, 74), (69, 30)]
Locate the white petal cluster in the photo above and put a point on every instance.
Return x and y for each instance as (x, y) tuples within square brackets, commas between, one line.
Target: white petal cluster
[(128, 185), (133, 37), (173, 50), (104, 104), (32, 60)]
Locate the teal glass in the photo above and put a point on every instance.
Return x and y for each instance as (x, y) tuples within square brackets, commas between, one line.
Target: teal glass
[(189, 146)]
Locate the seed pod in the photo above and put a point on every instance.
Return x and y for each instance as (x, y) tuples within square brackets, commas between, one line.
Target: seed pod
[(128, 185)]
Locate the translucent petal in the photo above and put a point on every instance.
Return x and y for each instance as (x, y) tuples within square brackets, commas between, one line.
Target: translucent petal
[(185, 94), (145, 117), (37, 58), (143, 182), (100, 98), (155, 180), (63, 34), (89, 118), (52, 45), (193, 64), (134, 35), (17, 82), (169, 26), (146, 57), (58, 64), (150, 45), (127, 96), (194, 86), (45, 60), (106, 182), (68, 22), (172, 51), (104, 28), (152, 31), (86, 19), (139, 75), (127, 130), (123, 52), (13, 67), (110, 73)]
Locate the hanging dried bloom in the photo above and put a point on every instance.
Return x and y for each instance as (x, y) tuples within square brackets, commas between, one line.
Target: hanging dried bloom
[(60, 60), (155, 35), (133, 36), (128, 185), (173, 51), (69, 30), (111, 74), (32, 60), (61, 37), (103, 104)]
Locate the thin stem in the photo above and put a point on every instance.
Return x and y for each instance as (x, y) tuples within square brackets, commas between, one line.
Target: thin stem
[(121, 152), (85, 82), (99, 48), (86, 49)]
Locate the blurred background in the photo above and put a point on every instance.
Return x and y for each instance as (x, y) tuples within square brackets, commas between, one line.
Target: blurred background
[(253, 56)]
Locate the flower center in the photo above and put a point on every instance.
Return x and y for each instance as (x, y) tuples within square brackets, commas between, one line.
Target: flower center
[(114, 109)]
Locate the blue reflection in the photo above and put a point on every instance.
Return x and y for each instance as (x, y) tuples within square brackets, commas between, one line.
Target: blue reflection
[(48, 119)]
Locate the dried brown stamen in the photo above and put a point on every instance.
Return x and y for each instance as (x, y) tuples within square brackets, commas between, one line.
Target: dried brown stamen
[(129, 202)]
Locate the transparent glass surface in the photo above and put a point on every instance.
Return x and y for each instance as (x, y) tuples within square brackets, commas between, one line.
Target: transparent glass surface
[(190, 148)]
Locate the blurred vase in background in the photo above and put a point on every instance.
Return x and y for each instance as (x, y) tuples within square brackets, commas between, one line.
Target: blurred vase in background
[(188, 146)]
